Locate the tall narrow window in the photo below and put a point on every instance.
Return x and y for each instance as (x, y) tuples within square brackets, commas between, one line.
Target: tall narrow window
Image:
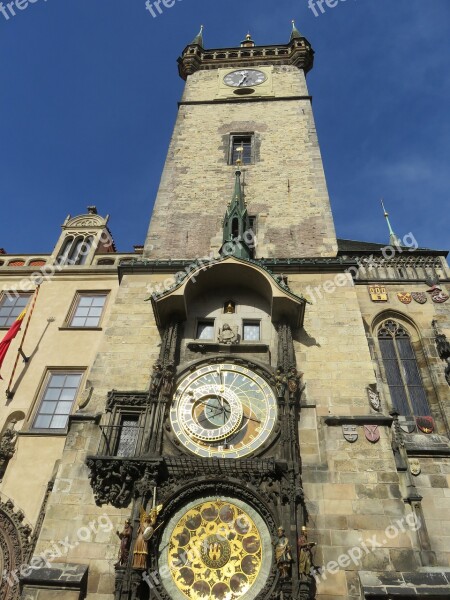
[(402, 372), (241, 148), (128, 435), (11, 305), (57, 400)]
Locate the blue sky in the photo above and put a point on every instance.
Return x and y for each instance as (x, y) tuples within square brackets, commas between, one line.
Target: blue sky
[(89, 92)]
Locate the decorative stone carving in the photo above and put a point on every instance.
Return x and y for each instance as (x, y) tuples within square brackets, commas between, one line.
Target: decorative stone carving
[(15, 548), (228, 335), (374, 397), (113, 481), (443, 348), (7, 446)]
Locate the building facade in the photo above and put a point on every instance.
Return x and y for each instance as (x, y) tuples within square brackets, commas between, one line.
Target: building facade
[(261, 409)]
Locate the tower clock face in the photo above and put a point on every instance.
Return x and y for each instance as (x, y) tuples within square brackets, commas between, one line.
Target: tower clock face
[(223, 410), (245, 78)]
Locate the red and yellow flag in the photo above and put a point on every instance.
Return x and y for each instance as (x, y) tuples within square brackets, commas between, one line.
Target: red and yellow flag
[(10, 335)]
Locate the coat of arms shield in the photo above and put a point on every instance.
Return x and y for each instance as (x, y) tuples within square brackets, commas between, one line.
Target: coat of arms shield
[(425, 424), (404, 297), (372, 433), (420, 297), (407, 424), (350, 433)]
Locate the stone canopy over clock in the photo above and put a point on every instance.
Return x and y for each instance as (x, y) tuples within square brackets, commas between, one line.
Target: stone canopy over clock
[(223, 410)]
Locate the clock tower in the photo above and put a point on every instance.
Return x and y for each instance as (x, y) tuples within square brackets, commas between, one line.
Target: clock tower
[(254, 97), (218, 476)]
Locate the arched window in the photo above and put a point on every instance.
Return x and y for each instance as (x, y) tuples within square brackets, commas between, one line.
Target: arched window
[(62, 258), (402, 371)]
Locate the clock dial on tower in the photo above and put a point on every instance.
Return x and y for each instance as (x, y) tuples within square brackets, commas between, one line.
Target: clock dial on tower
[(224, 410), (245, 78)]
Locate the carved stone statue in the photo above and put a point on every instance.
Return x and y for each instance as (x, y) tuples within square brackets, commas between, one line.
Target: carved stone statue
[(145, 533), (283, 554), (7, 446), (125, 537), (156, 379), (280, 381), (227, 335), (305, 557), (167, 382)]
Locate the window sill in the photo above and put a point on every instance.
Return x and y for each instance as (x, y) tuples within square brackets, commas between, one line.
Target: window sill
[(80, 328), (44, 433)]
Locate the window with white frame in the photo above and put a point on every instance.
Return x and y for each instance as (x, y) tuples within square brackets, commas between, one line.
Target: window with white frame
[(205, 330), (251, 331), (88, 309), (57, 399), (11, 305)]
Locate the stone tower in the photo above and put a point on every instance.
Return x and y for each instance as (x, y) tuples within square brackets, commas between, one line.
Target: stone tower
[(270, 113)]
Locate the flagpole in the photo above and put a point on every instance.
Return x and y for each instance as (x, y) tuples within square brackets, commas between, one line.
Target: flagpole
[(20, 352)]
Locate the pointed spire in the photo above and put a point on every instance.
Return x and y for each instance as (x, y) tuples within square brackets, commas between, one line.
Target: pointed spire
[(295, 32), (238, 198), (392, 237), (198, 40), (236, 224)]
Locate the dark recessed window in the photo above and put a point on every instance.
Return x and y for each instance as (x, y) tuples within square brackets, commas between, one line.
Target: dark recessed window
[(205, 330), (251, 331), (402, 371), (11, 305), (241, 148)]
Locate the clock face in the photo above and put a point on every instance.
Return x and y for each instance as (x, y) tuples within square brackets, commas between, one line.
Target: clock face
[(215, 549), (245, 78), (223, 410)]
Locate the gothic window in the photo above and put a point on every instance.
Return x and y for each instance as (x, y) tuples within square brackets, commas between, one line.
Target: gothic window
[(75, 251), (241, 147), (64, 253), (11, 305), (402, 371), (57, 400), (88, 309)]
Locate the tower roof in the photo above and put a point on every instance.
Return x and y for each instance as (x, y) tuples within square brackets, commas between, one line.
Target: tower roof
[(198, 40), (295, 34)]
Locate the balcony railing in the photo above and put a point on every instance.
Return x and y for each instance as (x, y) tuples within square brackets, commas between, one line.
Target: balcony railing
[(123, 441)]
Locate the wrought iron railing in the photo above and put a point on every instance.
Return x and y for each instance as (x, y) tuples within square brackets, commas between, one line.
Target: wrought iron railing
[(123, 441)]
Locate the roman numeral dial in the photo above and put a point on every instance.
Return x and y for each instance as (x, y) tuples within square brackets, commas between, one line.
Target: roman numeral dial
[(223, 410)]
